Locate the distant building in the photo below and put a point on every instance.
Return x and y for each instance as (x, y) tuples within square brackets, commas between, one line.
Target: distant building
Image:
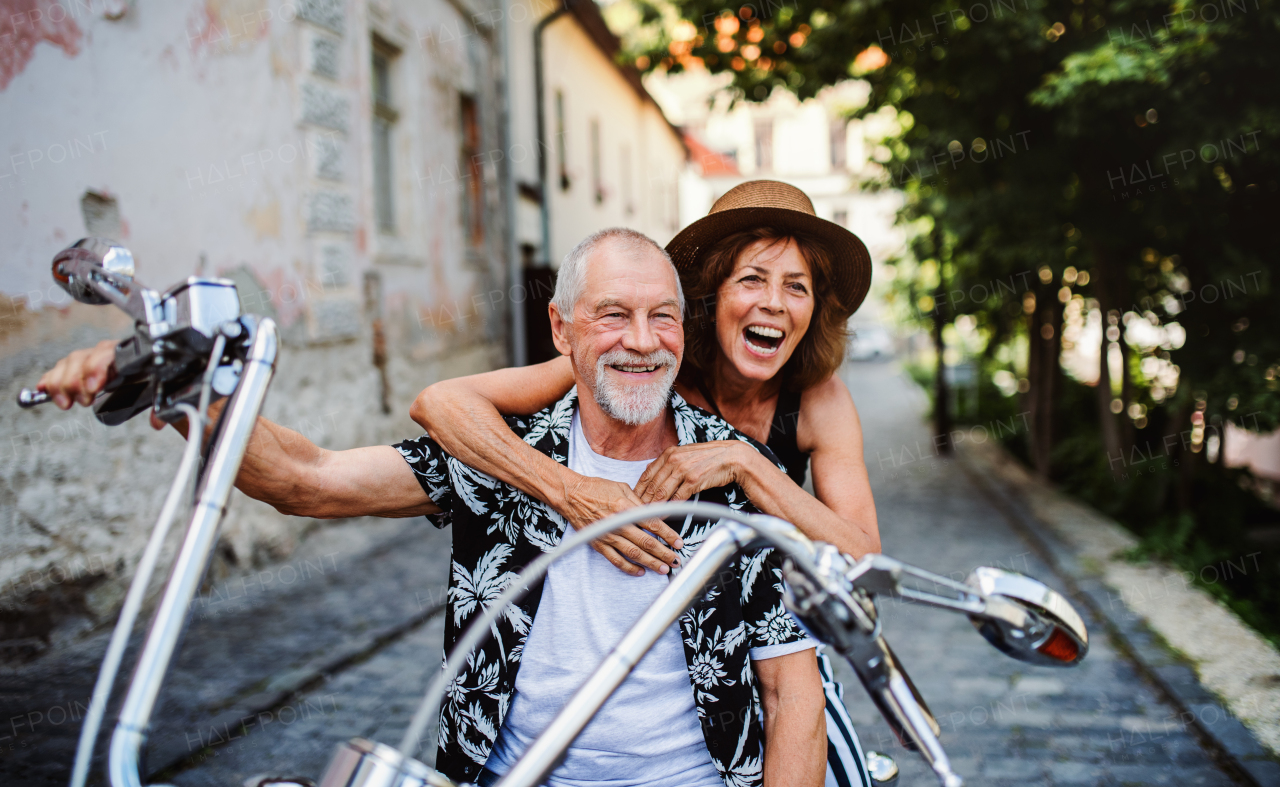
[(811, 144)]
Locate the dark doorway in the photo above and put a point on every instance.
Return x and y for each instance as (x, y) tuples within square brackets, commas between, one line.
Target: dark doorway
[(540, 283)]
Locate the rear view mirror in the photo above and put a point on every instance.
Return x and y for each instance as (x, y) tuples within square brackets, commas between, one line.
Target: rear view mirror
[(1037, 624), (89, 258)]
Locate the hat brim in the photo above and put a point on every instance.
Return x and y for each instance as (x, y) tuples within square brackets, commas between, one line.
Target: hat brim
[(850, 261)]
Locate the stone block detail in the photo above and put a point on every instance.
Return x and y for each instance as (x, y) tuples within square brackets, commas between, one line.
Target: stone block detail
[(330, 211), (324, 107), (335, 266), (254, 296), (335, 319), (327, 156), (324, 56), (325, 13)]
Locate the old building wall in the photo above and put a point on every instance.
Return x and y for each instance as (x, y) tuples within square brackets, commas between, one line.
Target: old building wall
[(233, 138)]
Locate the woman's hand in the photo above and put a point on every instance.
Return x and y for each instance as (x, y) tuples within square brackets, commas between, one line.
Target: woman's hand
[(630, 549), (685, 470), (462, 415)]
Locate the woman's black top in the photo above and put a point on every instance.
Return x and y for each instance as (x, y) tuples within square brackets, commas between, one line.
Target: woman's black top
[(783, 440)]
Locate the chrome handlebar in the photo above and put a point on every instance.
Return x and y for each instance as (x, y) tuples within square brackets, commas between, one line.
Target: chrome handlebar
[(190, 345), (227, 449), (833, 595), (162, 364), (28, 398)]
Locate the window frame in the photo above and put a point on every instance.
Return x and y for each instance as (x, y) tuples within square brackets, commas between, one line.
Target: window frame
[(382, 131)]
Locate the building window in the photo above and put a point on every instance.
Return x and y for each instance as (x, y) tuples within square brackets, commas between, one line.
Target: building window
[(839, 143), (472, 173), (628, 199), (597, 178), (561, 148), (841, 217), (384, 120), (764, 144)]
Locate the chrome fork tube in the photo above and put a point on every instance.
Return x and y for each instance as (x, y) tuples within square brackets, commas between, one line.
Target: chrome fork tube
[(227, 451), (543, 754)]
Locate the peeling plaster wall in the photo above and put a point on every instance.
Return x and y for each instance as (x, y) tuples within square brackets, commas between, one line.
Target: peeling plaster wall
[(234, 137)]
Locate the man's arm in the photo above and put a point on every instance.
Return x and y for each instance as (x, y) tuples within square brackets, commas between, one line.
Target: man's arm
[(280, 467), (297, 477), (795, 725)]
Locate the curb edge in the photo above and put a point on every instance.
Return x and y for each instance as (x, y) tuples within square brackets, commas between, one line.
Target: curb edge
[(1233, 744)]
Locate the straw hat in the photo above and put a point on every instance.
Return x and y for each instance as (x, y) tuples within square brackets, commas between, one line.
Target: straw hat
[(768, 203)]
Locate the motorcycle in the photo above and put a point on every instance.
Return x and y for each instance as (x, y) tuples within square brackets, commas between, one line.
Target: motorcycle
[(191, 345)]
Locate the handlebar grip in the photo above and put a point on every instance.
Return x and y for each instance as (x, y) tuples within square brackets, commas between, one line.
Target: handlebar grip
[(28, 398)]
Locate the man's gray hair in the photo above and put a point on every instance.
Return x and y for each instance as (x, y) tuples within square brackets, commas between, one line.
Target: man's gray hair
[(571, 280)]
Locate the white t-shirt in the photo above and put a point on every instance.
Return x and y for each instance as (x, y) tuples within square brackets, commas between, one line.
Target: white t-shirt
[(648, 732)]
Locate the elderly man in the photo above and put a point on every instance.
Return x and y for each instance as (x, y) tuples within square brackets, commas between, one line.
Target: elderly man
[(691, 713)]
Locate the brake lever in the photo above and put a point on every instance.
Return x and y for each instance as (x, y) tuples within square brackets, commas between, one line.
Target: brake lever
[(853, 629), (162, 363), (1017, 614)]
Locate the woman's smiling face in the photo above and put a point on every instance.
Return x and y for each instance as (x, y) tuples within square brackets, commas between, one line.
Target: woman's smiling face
[(764, 307)]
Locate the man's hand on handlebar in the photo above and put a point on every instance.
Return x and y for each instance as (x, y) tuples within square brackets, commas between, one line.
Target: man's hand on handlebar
[(83, 374), (80, 376)]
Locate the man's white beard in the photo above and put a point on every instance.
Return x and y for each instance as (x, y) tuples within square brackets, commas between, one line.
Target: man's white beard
[(634, 404)]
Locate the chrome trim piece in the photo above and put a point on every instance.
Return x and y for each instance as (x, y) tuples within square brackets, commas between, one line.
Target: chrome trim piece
[(365, 763), (29, 398), (882, 769)]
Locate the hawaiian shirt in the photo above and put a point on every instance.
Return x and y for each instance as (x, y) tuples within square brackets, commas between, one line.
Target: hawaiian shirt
[(498, 530)]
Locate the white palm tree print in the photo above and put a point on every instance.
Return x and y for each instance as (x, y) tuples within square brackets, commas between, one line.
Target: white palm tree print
[(471, 590)]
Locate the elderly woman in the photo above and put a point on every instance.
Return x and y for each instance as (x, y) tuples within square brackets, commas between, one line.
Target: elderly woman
[(769, 287)]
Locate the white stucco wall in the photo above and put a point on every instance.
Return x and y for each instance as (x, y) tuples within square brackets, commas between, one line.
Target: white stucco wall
[(646, 198)]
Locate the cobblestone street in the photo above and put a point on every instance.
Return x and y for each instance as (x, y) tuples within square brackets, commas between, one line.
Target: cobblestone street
[(282, 677), (1003, 722)]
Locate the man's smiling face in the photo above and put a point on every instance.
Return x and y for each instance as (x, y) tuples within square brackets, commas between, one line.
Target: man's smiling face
[(626, 339)]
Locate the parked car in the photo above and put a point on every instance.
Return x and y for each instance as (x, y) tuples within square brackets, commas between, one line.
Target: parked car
[(870, 342)]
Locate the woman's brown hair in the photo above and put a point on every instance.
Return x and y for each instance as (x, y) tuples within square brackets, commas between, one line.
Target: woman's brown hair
[(820, 351)]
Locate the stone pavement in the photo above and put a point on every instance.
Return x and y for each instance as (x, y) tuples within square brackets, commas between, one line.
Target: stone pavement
[(276, 682), (256, 643)]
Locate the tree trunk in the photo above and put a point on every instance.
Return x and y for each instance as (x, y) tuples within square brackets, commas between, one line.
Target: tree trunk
[(1108, 286), (1186, 456), (941, 396), (1109, 427), (1126, 391), (1044, 374)]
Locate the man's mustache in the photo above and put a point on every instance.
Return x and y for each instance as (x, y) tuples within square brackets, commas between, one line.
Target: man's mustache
[(625, 358)]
